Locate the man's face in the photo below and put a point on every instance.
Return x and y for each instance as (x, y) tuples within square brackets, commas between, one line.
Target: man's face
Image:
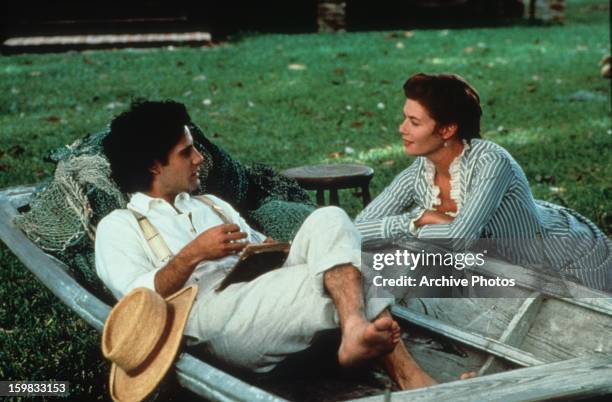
[(180, 174), (419, 130)]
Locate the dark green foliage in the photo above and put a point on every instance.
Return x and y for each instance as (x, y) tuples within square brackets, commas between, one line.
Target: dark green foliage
[(280, 219), (273, 204)]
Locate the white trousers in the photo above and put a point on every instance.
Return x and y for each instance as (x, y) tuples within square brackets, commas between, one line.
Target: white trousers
[(255, 325)]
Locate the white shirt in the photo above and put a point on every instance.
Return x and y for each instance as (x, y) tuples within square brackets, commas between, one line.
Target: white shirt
[(124, 259)]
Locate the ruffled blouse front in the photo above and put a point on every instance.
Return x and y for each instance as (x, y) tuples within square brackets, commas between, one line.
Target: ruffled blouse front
[(455, 170)]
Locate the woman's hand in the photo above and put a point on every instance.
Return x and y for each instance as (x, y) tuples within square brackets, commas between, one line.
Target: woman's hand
[(432, 218)]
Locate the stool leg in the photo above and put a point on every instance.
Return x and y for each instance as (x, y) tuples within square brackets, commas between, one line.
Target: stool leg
[(320, 198), (365, 193), (333, 197)]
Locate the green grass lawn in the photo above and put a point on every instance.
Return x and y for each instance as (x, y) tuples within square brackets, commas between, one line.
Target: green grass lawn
[(291, 100)]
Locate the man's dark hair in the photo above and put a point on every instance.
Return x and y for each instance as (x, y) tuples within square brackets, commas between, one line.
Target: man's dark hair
[(140, 136), (449, 99)]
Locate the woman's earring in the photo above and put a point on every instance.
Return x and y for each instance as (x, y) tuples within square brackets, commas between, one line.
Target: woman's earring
[(445, 144)]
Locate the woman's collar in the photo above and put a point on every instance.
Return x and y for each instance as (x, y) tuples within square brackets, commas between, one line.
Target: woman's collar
[(455, 171)]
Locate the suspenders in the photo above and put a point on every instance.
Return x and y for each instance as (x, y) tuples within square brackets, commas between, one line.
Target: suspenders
[(217, 209), (152, 236), (156, 241)]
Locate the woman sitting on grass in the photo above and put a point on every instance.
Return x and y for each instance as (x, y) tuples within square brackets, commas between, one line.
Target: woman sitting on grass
[(463, 188)]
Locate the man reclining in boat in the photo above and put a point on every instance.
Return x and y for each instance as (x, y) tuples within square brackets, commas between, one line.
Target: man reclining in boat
[(252, 325)]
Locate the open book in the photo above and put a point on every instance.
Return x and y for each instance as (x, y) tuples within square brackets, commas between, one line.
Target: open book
[(256, 260)]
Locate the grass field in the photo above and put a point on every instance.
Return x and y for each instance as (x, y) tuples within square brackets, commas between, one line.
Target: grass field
[(291, 100)]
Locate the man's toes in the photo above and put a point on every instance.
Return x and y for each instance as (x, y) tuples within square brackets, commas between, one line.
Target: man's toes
[(468, 374), (395, 326), (383, 323)]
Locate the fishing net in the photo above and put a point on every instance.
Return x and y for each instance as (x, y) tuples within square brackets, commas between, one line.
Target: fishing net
[(61, 213), (64, 213)]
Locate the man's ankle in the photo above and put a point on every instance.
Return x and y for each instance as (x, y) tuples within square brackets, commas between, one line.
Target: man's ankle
[(344, 272), (353, 320)]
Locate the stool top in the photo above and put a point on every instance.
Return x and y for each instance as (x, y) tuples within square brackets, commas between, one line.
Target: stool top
[(331, 176)]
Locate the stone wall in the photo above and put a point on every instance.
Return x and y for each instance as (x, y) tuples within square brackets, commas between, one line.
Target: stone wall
[(547, 10), (331, 15)]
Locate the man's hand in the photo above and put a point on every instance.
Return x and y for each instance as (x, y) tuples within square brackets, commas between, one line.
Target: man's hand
[(433, 218), (269, 240), (218, 242)]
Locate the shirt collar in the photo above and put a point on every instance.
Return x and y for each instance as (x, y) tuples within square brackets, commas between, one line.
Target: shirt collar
[(143, 203), (430, 168)]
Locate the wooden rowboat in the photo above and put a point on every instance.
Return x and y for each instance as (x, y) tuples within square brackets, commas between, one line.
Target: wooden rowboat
[(536, 347)]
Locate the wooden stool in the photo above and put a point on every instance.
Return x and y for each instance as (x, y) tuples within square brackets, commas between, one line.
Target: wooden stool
[(333, 178)]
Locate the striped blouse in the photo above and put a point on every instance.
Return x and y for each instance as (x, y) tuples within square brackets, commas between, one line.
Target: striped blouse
[(493, 201)]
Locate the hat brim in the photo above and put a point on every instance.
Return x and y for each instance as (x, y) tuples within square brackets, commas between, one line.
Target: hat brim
[(135, 386)]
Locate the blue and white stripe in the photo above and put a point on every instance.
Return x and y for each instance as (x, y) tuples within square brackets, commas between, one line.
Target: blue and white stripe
[(497, 203)]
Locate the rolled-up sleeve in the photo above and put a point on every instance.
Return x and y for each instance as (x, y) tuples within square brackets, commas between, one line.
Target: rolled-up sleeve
[(121, 260)]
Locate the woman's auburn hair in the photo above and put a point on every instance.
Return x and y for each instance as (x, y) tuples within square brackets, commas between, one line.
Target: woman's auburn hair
[(449, 99)]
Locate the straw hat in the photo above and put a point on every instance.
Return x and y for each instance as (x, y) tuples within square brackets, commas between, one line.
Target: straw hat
[(141, 337)]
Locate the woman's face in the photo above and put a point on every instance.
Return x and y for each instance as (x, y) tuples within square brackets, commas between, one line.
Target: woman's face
[(419, 130)]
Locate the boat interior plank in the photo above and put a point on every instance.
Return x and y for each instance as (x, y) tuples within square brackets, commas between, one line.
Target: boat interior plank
[(580, 377), (562, 331), (486, 316), (472, 339), (515, 333), (542, 282)]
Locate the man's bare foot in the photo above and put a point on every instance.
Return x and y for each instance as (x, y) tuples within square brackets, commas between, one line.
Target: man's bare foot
[(363, 340), (404, 370), (416, 379)]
